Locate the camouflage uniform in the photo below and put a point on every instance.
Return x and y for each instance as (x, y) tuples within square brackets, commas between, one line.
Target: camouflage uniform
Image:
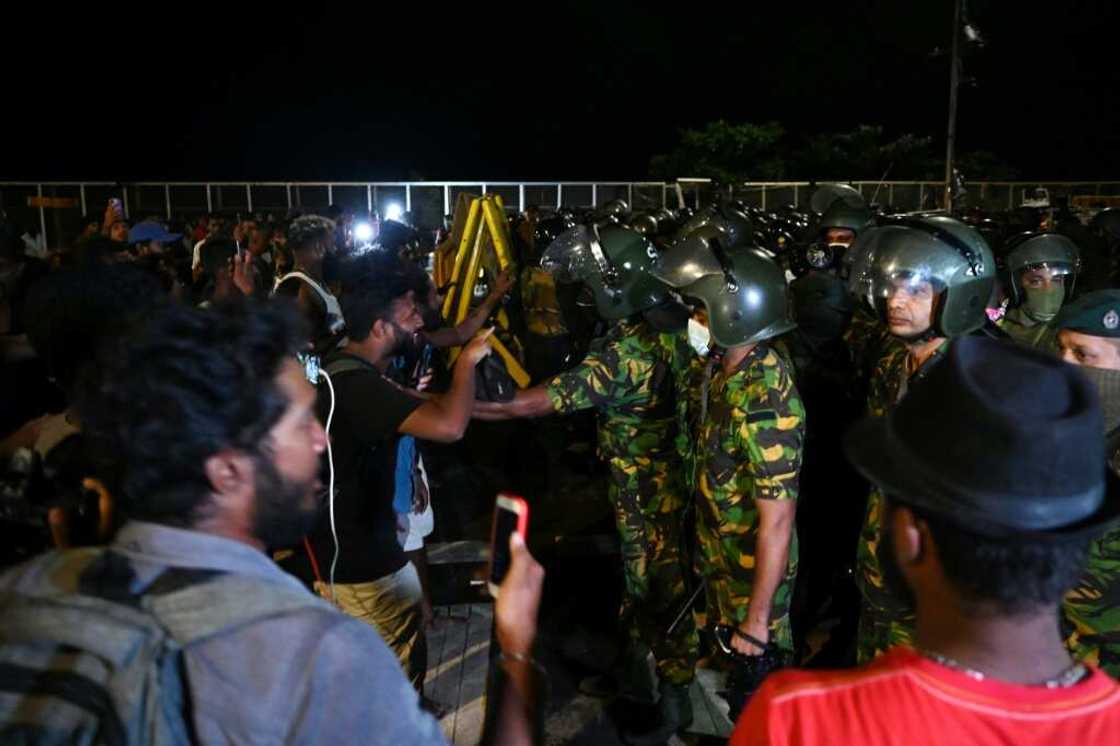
[(748, 449), (885, 621), (631, 377), (866, 338), (1040, 336), (1092, 609)]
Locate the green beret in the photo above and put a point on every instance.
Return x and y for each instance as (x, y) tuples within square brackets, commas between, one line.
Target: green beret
[(1096, 314)]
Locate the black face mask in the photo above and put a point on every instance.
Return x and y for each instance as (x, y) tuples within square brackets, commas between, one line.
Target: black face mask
[(669, 317), (282, 516), (1107, 383), (822, 306)]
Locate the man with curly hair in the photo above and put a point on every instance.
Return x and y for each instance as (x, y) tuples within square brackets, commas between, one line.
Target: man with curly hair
[(311, 239)]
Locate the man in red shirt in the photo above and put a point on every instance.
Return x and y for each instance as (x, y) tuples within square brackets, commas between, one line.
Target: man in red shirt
[(995, 482)]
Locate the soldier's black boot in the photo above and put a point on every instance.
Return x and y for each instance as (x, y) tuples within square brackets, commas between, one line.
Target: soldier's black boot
[(674, 713), (632, 679)]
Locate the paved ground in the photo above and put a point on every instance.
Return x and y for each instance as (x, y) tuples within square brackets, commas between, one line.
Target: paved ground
[(552, 464)]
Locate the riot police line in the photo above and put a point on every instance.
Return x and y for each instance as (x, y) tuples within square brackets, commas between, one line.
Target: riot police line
[(801, 321)]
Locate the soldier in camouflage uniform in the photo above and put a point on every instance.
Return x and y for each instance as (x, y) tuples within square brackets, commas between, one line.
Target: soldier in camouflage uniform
[(746, 459), (866, 339), (748, 451), (1089, 336), (930, 280), (631, 378), (885, 620), (1041, 274)]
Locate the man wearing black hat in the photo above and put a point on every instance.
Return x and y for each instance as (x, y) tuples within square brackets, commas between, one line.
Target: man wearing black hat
[(994, 493), (929, 280), (1089, 336)]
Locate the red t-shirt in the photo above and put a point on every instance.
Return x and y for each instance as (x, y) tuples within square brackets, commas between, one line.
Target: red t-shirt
[(905, 698)]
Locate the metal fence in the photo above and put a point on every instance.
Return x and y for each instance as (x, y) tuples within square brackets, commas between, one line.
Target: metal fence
[(428, 202)]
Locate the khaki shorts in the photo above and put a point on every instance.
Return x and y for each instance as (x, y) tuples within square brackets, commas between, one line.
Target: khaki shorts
[(391, 605)]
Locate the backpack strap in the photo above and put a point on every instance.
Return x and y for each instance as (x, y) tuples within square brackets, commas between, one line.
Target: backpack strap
[(226, 603), (89, 599), (77, 599), (192, 604), (345, 364), (73, 688)]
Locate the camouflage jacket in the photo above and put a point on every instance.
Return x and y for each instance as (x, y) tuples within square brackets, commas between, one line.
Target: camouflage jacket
[(749, 444), (690, 407), (748, 448), (1092, 608), (631, 377), (889, 384), (866, 338), (688, 418), (1042, 337)]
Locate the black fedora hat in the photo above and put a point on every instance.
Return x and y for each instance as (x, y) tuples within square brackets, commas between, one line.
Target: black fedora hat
[(999, 439)]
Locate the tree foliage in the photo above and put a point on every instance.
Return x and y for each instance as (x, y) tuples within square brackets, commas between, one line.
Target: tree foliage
[(730, 152), (725, 152)]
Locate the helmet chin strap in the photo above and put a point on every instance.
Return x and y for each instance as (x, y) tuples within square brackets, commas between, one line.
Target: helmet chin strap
[(606, 270), (729, 278), (920, 338)]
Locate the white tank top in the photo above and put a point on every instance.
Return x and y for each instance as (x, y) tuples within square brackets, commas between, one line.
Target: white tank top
[(335, 322)]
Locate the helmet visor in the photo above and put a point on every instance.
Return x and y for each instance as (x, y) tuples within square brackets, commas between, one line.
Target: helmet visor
[(686, 262), (879, 278), (905, 284), (1046, 275), (828, 194), (570, 258)]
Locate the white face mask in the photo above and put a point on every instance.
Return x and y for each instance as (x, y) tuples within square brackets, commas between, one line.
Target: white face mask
[(699, 337)]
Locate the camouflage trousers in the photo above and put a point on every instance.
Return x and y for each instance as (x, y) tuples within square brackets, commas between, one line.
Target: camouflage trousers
[(654, 571), (880, 630), (725, 559)]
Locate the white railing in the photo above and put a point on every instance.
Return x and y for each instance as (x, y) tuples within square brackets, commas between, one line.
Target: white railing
[(430, 201)]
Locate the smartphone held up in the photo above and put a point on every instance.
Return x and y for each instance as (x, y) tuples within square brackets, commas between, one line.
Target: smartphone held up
[(511, 513)]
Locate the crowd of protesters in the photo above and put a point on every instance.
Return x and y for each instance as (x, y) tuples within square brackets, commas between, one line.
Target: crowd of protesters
[(164, 410)]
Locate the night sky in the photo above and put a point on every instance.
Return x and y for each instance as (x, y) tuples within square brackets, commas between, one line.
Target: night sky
[(566, 91)]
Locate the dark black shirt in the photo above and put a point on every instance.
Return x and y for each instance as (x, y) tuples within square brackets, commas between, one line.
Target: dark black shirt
[(368, 413)]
